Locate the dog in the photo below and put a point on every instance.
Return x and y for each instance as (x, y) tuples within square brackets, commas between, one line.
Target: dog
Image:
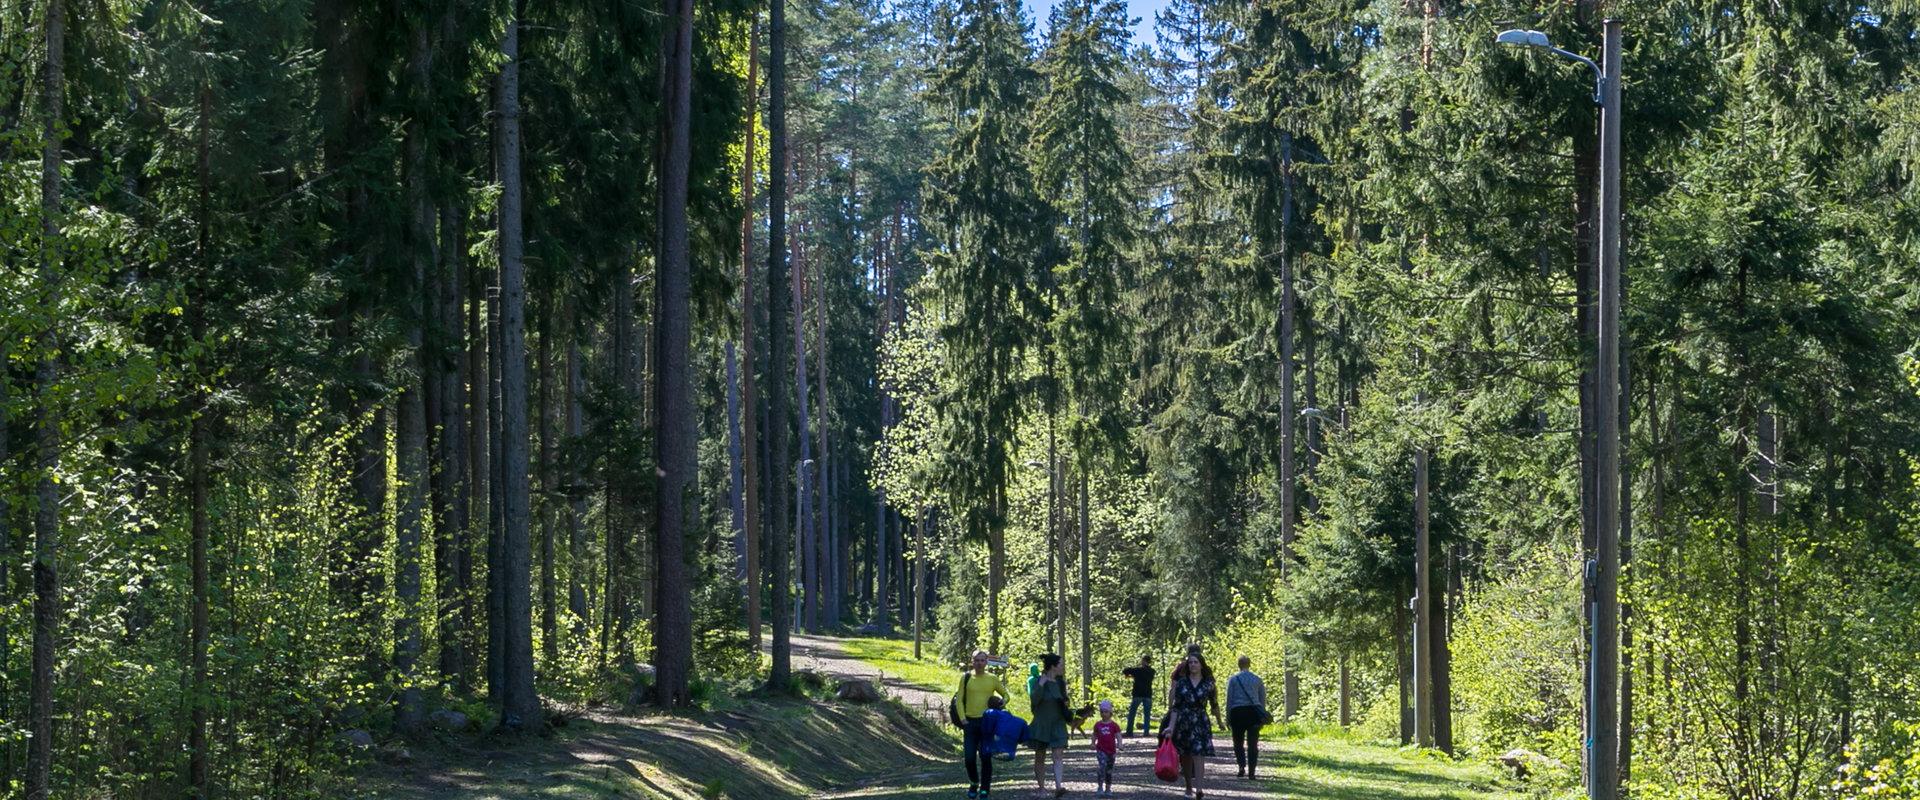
[(1077, 718)]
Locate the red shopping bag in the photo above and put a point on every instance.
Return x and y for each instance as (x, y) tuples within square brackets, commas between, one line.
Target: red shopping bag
[(1166, 762)]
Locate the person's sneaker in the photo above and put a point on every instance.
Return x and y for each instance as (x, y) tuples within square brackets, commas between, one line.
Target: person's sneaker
[(973, 793)]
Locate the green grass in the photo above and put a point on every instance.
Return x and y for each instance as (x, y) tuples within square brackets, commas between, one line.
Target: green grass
[(1322, 764), (895, 658)]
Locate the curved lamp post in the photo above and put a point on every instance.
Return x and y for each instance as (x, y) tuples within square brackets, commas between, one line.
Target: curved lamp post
[(1603, 733)]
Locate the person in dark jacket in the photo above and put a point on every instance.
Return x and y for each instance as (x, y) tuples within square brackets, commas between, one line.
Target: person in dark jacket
[(1142, 693)]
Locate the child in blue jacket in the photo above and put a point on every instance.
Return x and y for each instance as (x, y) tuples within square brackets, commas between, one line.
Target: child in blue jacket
[(1005, 731)]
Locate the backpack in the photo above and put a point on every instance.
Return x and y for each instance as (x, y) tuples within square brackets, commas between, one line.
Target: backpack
[(953, 706)]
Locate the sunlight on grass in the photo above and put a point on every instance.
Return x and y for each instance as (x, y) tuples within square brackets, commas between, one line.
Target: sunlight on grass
[(895, 658), (1326, 764)]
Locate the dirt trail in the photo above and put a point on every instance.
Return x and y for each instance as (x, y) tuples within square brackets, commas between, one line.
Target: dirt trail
[(1132, 774)]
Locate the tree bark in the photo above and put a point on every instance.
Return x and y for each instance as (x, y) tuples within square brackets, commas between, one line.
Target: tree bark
[(543, 411), (479, 458), (736, 469), (615, 625), (577, 572), (518, 704), (751, 467), (825, 544), (777, 554), (803, 509), (411, 436), (198, 782), (1086, 588), (496, 502), (447, 419), (1423, 706), (46, 517), (1289, 499), (919, 579), (675, 437)]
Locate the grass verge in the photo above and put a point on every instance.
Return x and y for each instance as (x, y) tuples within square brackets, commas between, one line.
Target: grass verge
[(1327, 764)]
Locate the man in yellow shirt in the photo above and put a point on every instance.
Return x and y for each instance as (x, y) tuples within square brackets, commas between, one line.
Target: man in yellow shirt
[(972, 694)]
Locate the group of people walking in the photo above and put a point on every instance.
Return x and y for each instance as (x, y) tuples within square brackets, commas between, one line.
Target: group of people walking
[(1192, 708)]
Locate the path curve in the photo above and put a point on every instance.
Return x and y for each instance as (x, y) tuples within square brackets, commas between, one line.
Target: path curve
[(1132, 776)]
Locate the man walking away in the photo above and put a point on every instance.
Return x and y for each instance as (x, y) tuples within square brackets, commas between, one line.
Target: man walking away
[(1142, 693), (1246, 715), (971, 695)]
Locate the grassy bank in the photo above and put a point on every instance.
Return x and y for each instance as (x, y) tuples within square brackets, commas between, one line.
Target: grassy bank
[(750, 750)]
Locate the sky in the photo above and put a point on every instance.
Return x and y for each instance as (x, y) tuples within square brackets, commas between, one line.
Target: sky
[(1141, 10)]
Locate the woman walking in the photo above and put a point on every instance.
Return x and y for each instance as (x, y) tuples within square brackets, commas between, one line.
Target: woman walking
[(1189, 699), (1246, 715), (1048, 731)]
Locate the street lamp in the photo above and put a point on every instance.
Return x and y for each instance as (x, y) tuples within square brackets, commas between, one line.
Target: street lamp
[(1603, 734)]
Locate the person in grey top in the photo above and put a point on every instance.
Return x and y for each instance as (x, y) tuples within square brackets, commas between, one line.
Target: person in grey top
[(1246, 715)]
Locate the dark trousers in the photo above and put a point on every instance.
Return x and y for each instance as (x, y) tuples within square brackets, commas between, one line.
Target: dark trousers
[(1246, 723), (1147, 718), (974, 749)]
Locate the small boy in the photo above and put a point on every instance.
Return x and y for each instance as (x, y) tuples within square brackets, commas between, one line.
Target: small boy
[(1005, 731), (1106, 744)]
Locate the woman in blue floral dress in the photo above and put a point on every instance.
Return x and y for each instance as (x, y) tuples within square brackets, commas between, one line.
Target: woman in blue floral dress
[(1189, 699)]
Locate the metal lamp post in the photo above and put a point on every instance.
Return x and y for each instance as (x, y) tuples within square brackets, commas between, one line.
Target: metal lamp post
[(1603, 734)]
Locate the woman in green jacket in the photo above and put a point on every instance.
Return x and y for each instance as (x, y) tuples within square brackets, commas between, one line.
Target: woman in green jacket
[(1048, 731)]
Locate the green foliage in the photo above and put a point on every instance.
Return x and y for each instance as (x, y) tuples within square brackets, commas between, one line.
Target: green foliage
[(1517, 667), (1895, 775)]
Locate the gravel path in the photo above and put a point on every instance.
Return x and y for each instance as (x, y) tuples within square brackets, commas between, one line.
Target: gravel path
[(1132, 774)]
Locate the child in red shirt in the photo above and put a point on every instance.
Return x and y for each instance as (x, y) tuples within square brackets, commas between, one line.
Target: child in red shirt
[(1106, 743)]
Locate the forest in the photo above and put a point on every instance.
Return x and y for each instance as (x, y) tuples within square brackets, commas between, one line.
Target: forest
[(361, 361)]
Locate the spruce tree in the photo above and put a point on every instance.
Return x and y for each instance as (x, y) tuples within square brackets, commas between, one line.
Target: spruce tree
[(991, 234)]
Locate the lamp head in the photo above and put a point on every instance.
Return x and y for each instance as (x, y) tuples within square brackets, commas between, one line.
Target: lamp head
[(1523, 38)]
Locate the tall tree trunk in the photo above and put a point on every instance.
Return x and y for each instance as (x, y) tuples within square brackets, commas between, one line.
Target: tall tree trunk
[(919, 578), (620, 511), (1289, 498), (46, 517), (882, 619), (777, 554), (803, 509), (824, 544), (577, 572), (198, 781), (543, 411), (675, 437), (751, 467), (518, 704), (496, 502), (453, 484), (1441, 656), (1423, 705), (411, 455), (736, 468), (1086, 587), (480, 418), (1346, 693)]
